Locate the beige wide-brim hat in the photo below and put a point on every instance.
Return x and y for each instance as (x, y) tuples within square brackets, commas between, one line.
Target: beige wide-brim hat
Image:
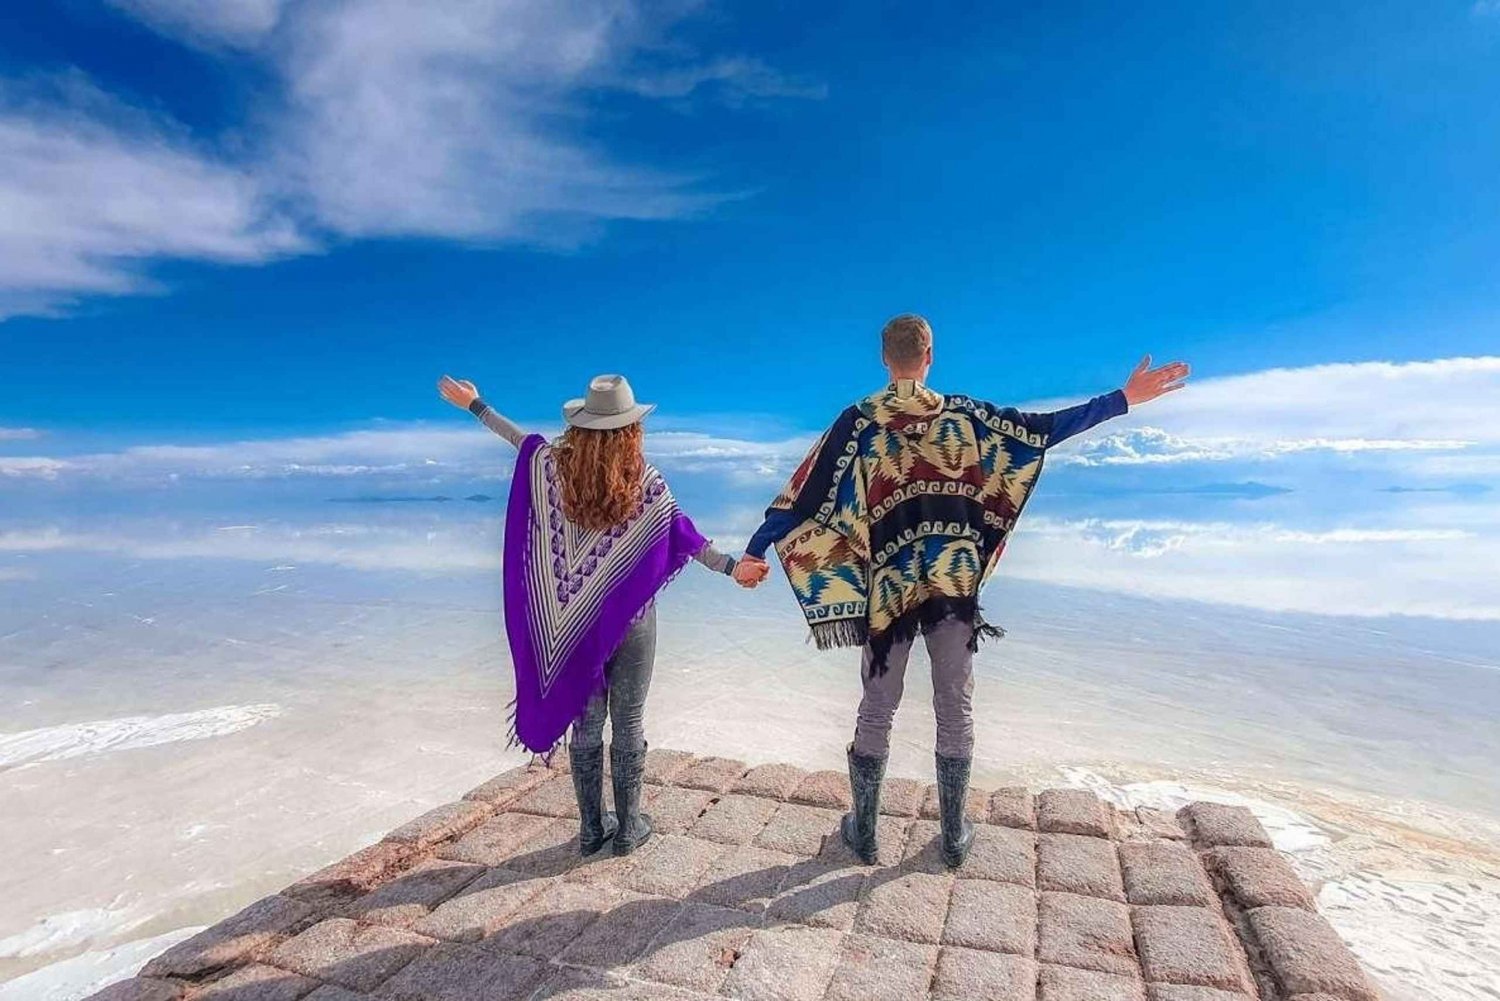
[(609, 405)]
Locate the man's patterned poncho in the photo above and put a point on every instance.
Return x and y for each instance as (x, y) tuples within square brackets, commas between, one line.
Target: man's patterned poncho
[(905, 506)]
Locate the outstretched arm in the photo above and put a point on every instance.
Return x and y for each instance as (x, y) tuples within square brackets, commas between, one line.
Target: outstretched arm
[(462, 393), (1145, 384)]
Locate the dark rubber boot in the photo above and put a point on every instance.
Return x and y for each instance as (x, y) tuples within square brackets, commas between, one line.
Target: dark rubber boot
[(858, 826), (595, 826), (953, 793), (629, 768)]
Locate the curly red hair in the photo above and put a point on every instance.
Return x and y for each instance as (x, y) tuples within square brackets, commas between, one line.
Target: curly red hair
[(601, 474)]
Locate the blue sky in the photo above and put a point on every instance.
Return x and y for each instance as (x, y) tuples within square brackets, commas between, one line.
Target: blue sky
[(240, 240), (258, 215)]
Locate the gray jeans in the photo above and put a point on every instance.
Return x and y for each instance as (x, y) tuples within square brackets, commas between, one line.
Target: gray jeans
[(952, 693), (628, 675)]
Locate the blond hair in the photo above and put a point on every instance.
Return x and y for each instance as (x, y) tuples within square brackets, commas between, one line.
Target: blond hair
[(905, 340)]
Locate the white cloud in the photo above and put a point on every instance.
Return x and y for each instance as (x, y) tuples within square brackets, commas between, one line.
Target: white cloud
[(418, 453), (468, 120), (1433, 570), (227, 22), (1447, 405), (18, 434), (90, 191)]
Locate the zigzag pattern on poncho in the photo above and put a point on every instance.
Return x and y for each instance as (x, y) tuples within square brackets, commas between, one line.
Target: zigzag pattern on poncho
[(906, 503)]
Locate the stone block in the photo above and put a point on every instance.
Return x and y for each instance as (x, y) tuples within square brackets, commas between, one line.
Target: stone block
[(1012, 806), (1185, 992), (347, 953), (976, 804), (596, 985), (1258, 877), (745, 876), (553, 798), (493, 842), (1072, 811), (663, 766), (793, 963), (1086, 932), (139, 989), (246, 935), (970, 975), (351, 876), (1160, 823), (463, 973), (797, 830), (1077, 863), (713, 774), (881, 969), (890, 840), (1064, 983), (333, 992), (901, 797), (507, 786), (258, 982), (923, 850), (1189, 945), (627, 924), (440, 823), (409, 897), (817, 894), (672, 865), (552, 850), (697, 948), (1307, 956), (1165, 872), (483, 907), (673, 810), (734, 820), (770, 781), (547, 923), (828, 789), (1003, 854), (1215, 825), (911, 906), (997, 917)]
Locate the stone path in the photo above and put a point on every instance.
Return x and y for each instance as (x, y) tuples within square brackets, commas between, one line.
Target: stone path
[(747, 892)]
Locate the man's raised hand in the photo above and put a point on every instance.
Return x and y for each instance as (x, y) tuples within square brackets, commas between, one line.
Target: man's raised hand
[(749, 571), (459, 392), (1147, 383)]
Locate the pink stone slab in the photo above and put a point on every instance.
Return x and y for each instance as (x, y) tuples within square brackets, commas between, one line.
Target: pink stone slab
[(246, 935), (347, 953), (881, 969), (970, 975), (770, 781), (997, 917)]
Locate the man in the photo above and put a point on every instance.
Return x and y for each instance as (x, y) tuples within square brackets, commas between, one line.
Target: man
[(889, 528)]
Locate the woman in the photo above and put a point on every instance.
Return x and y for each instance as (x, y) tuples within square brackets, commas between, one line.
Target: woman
[(592, 533)]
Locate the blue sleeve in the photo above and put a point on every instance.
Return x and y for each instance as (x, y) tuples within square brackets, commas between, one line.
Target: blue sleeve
[(1060, 425), (775, 528)]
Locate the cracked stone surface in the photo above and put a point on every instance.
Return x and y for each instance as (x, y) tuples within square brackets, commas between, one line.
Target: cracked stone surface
[(747, 892)]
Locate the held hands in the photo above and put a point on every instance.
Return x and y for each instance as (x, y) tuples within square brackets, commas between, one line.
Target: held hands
[(1147, 383), (749, 571), (459, 392)]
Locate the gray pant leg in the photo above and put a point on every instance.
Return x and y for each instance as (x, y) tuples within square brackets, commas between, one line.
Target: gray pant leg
[(877, 709), (952, 686), (628, 675)]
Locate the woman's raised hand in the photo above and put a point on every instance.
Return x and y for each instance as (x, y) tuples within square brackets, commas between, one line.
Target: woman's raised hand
[(459, 392)]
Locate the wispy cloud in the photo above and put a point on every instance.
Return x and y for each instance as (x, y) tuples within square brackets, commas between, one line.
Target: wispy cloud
[(1446, 405), (1486, 8), (91, 190), (1433, 570), (416, 453), (18, 434), (467, 120)]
